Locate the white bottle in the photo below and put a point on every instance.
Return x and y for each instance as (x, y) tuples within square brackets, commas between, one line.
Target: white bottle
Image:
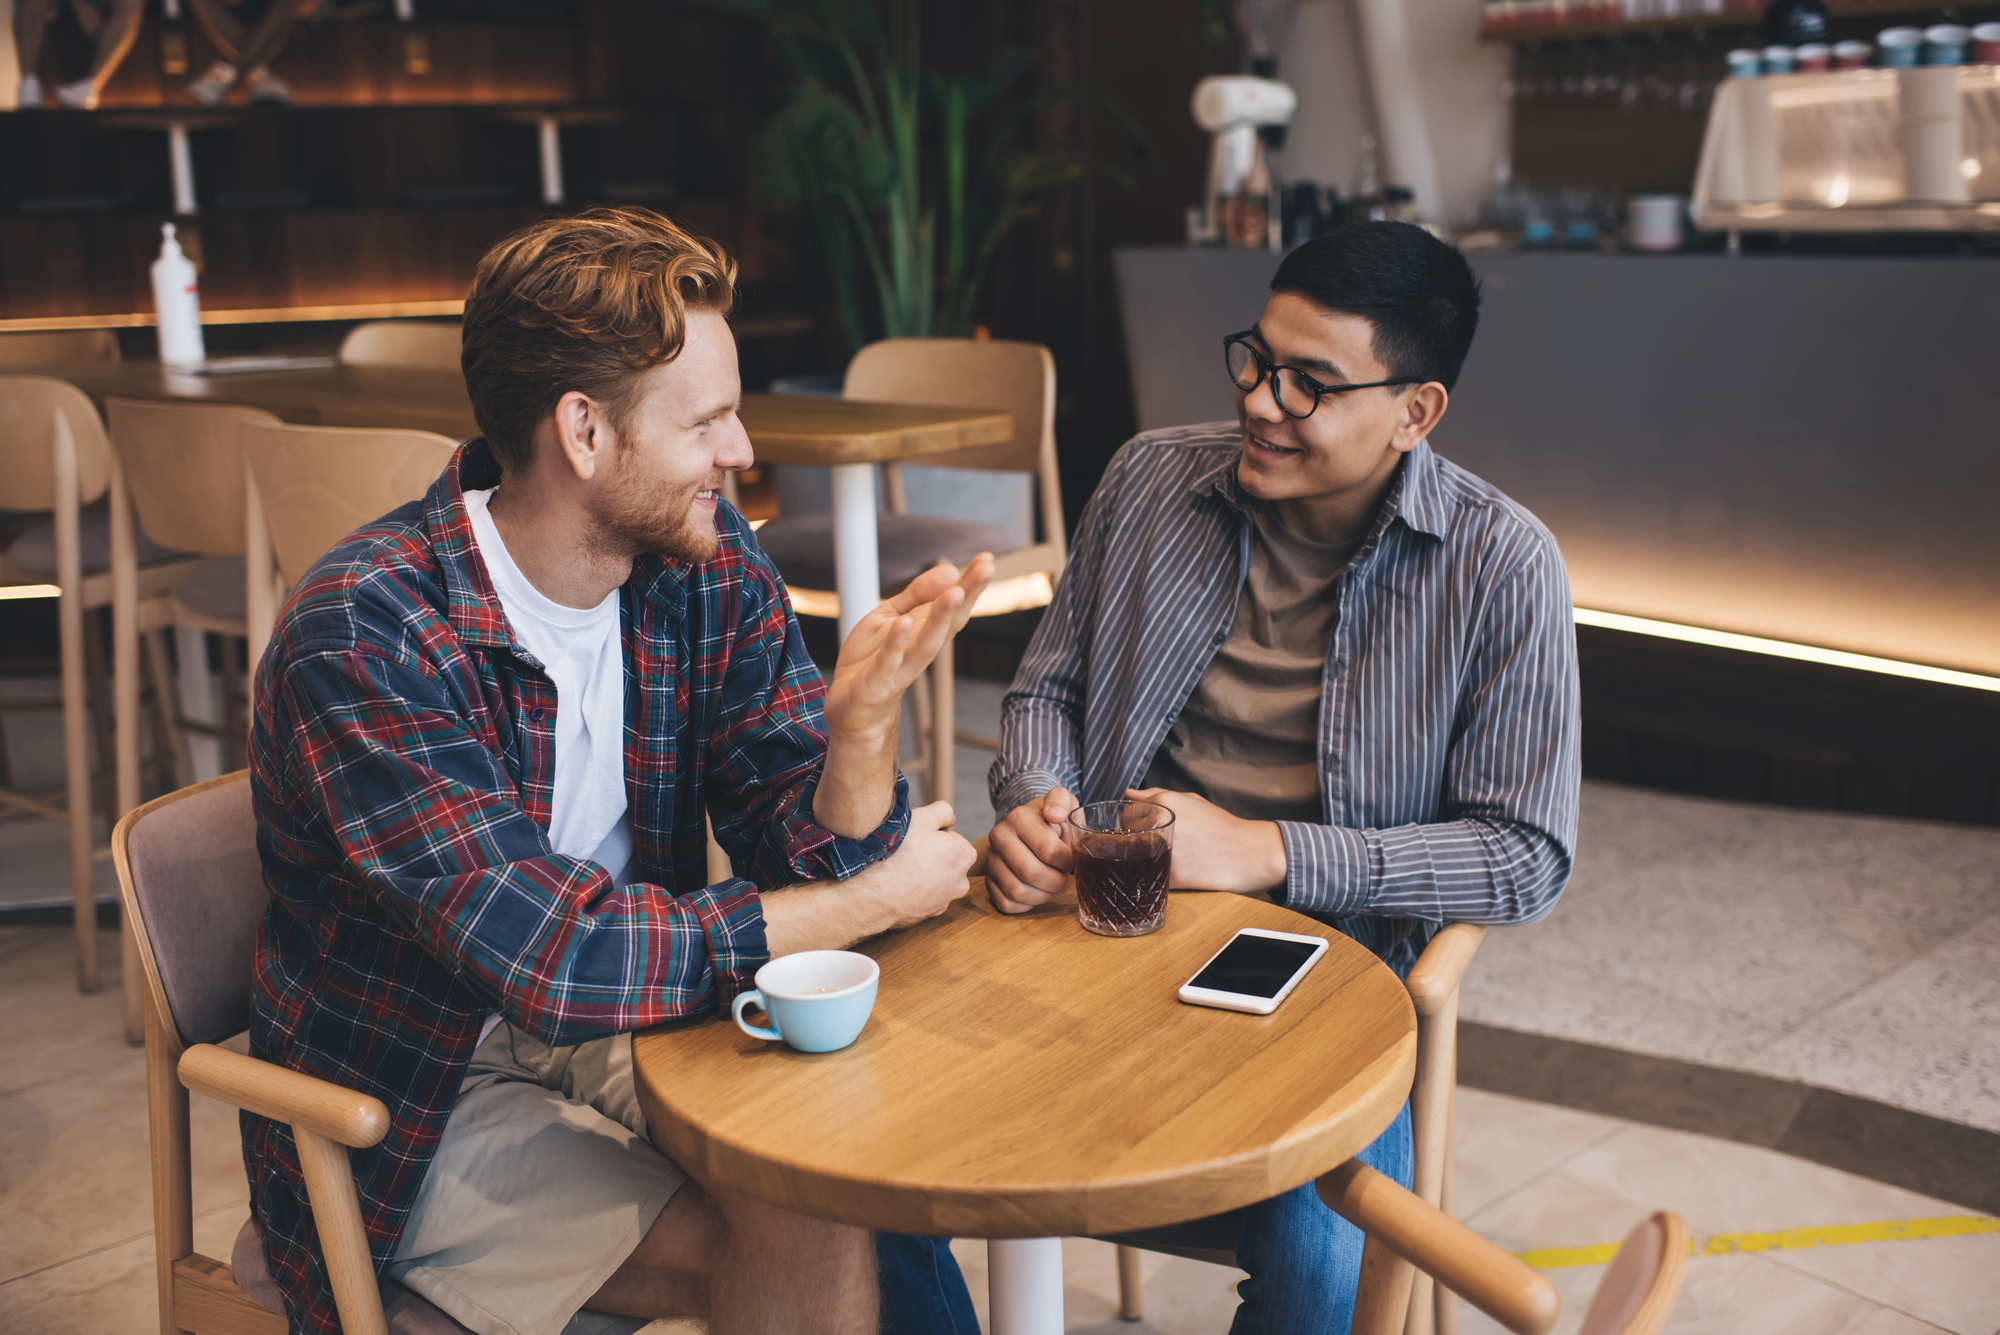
[(178, 304)]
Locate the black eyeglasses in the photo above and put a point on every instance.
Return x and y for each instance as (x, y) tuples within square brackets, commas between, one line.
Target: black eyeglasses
[(1289, 385)]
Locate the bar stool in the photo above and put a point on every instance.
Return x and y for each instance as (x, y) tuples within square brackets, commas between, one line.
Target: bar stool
[(184, 473), (1019, 378), (429, 344), (311, 486), (54, 458)]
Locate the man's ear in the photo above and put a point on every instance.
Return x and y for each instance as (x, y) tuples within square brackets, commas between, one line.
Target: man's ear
[(582, 433), (1423, 409)]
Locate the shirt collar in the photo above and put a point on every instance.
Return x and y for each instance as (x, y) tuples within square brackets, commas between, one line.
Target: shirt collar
[(1416, 497), (472, 606)]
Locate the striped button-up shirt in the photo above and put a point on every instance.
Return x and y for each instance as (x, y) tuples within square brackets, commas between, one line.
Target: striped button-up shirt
[(400, 765), (1448, 746)]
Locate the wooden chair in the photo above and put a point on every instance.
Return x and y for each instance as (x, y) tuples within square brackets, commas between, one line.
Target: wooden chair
[(960, 373), (193, 888), (311, 486), (56, 347), (1407, 1237), (430, 344), (55, 458)]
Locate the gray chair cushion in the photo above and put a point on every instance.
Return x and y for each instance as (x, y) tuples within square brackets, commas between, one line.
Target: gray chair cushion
[(404, 1312), (200, 887), (34, 552), (215, 588), (802, 548)]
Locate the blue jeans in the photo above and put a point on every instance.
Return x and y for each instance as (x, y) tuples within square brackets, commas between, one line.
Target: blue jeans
[(1304, 1260), (922, 1291)]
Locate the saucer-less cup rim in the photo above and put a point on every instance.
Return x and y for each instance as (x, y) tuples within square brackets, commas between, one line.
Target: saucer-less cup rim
[(1077, 824), (872, 973)]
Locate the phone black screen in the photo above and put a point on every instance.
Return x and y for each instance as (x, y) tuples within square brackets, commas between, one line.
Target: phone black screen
[(1256, 966)]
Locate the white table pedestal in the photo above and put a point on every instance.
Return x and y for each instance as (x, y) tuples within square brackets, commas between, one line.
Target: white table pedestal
[(857, 561), (1024, 1285)]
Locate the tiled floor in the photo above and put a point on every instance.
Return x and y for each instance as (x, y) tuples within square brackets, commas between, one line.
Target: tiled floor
[(76, 1246)]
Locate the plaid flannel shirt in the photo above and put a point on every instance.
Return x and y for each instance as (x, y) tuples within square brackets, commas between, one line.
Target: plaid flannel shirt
[(401, 761)]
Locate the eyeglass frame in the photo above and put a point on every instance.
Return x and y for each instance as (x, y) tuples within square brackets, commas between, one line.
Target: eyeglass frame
[(1268, 370)]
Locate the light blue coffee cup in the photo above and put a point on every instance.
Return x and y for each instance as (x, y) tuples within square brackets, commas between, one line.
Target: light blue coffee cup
[(817, 1000)]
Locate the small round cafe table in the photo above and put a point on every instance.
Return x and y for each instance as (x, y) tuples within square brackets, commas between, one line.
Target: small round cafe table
[(1021, 1080)]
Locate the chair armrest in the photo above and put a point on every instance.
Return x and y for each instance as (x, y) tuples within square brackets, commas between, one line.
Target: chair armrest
[(1497, 1282), (320, 1106), (979, 851), (1441, 966)]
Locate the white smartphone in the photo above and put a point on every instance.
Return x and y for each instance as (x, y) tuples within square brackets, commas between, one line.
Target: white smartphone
[(1254, 972)]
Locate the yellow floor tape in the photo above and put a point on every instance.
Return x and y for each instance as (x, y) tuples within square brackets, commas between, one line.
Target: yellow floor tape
[(1784, 1240)]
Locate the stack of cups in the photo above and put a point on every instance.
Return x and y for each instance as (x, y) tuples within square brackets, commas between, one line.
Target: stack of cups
[(1986, 44), (1779, 59), (1851, 55), (1813, 58)]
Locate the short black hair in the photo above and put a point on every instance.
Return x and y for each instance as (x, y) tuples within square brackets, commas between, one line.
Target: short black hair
[(1418, 292)]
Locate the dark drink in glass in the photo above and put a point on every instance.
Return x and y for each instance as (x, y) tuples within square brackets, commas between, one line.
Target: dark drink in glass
[(1123, 853)]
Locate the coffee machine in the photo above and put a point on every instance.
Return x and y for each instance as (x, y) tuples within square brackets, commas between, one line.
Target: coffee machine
[(1240, 207)]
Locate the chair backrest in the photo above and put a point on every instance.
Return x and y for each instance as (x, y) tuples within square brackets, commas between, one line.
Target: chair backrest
[(426, 344), (1637, 1292), (58, 346), (1017, 378), (184, 465), (320, 483), (193, 889), (30, 408)]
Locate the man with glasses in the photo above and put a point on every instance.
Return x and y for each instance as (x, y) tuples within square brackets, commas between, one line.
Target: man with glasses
[(1345, 664)]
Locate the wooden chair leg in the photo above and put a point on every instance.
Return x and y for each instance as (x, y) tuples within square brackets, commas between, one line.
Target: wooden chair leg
[(98, 664), (343, 1243), (1131, 1291), (921, 703), (76, 727), (167, 1118), (1447, 1301), (168, 743), (943, 712), (1383, 1295), (1430, 1108)]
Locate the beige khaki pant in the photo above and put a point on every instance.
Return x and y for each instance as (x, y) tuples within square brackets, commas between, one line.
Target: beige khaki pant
[(544, 1183)]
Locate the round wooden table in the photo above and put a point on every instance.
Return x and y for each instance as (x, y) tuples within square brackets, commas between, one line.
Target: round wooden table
[(1022, 1079)]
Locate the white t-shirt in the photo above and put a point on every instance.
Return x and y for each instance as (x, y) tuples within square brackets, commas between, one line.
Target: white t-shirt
[(583, 653)]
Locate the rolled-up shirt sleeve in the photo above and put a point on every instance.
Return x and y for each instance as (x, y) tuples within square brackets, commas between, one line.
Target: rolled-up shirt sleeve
[(1503, 851)]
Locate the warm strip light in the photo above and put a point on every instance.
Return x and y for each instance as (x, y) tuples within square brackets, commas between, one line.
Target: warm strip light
[(13, 591), (370, 310), (1804, 653), (1002, 596)]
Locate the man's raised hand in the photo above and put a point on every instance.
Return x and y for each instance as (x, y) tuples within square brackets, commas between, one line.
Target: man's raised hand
[(1027, 854), (897, 640)]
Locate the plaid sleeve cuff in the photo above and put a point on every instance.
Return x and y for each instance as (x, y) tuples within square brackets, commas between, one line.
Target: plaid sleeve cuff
[(1328, 868), (732, 917), (818, 854)]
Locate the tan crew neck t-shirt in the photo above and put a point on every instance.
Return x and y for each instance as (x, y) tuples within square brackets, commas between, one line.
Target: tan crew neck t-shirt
[(1248, 738)]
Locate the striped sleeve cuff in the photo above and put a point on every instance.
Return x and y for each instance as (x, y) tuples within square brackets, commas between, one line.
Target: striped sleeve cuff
[(1328, 868), (732, 917), (1023, 787)]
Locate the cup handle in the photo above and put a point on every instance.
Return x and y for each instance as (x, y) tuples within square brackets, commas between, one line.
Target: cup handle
[(752, 997)]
